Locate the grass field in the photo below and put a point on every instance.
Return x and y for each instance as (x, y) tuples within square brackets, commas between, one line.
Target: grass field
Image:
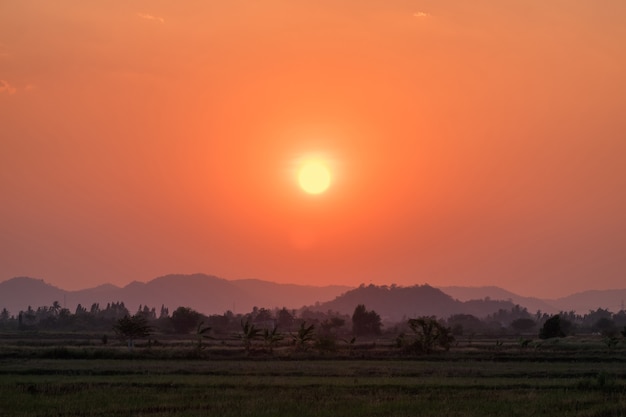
[(457, 383)]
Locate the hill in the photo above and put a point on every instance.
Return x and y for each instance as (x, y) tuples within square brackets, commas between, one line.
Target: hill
[(398, 303)]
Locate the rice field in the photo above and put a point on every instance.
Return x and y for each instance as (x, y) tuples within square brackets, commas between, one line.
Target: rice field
[(476, 381)]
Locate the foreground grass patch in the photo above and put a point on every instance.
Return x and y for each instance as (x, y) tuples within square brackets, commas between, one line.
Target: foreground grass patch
[(309, 388)]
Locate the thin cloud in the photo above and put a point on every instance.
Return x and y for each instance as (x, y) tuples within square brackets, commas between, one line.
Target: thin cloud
[(422, 15), (5, 87), (151, 17)]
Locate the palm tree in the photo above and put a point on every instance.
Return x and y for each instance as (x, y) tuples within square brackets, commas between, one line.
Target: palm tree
[(304, 335), (55, 308), (271, 338), (200, 334), (249, 334)]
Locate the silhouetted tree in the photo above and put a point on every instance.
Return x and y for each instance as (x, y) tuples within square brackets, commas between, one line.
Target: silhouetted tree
[(95, 309), (329, 325), (165, 312), (591, 318), (553, 327), (271, 338), (55, 308), (605, 326), (201, 334), (131, 328), (80, 310), (465, 324), (523, 325), (429, 335), (365, 322), (4, 315), (284, 319), (248, 335), (263, 315), (147, 312), (304, 336), (184, 319)]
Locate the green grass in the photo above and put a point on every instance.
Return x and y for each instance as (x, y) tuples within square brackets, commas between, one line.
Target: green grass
[(309, 388), (54, 377)]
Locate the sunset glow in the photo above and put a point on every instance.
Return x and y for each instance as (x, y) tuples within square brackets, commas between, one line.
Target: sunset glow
[(455, 142)]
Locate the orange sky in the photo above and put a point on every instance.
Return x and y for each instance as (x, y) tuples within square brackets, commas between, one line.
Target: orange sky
[(471, 143)]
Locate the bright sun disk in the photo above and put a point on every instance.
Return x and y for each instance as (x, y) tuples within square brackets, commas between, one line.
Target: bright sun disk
[(314, 177)]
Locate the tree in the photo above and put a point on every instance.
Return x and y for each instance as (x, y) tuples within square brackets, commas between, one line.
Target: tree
[(4, 315), (184, 319), (55, 308), (329, 325), (284, 319), (304, 336), (201, 333), (465, 324), (263, 316), (249, 334), (553, 327), (429, 335), (605, 326), (523, 325), (95, 309), (131, 328), (165, 312), (80, 310), (270, 338), (365, 322)]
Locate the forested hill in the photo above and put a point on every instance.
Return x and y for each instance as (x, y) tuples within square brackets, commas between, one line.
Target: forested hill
[(396, 303)]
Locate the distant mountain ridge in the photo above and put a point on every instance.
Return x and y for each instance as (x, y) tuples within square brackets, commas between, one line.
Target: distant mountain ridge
[(212, 295), (581, 302), (205, 293), (533, 304)]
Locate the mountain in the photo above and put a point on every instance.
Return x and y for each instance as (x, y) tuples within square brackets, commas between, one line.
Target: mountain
[(204, 293), (18, 293), (212, 295), (269, 294), (583, 302), (394, 304), (532, 304)]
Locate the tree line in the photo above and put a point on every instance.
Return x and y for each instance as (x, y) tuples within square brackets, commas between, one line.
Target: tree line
[(305, 326)]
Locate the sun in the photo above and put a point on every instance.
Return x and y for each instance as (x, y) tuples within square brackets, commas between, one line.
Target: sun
[(314, 176)]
